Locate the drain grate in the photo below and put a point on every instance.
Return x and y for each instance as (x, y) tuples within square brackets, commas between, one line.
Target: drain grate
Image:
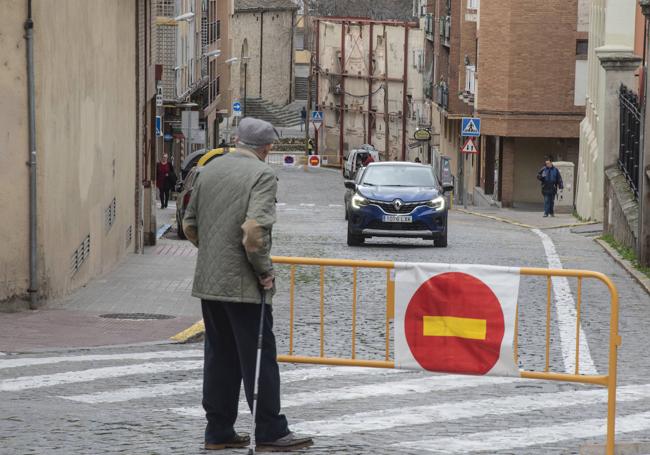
[(136, 316)]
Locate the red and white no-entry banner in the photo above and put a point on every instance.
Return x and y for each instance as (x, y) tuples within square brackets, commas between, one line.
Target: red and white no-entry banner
[(456, 318)]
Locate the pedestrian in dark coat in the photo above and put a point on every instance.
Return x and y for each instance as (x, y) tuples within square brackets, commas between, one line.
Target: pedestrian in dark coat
[(551, 181)]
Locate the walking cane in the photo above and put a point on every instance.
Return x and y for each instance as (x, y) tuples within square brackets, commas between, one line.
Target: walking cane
[(260, 336)]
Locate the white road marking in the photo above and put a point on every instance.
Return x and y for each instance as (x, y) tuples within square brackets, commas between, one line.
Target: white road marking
[(70, 377), (335, 205), (181, 387), (31, 361), (526, 436), (419, 415), (307, 205), (565, 308), (281, 204), (428, 384)]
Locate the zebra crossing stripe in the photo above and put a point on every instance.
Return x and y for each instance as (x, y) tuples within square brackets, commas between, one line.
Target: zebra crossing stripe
[(71, 377), (181, 387), (33, 361), (427, 384), (514, 438), (419, 415)]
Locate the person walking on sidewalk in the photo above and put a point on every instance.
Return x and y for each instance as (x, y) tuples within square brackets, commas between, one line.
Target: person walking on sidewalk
[(165, 180), (551, 180), (229, 218)]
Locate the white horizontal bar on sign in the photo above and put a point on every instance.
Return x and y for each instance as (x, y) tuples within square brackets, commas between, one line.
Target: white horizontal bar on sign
[(419, 415), (33, 361), (516, 438), (182, 387), (71, 377)]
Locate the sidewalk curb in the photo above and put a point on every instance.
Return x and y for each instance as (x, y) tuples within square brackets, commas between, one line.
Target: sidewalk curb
[(192, 334), (527, 226), (627, 265)]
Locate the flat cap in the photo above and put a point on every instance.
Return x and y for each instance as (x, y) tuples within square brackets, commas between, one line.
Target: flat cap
[(256, 132)]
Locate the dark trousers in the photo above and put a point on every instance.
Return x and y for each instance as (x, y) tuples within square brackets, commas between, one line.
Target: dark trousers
[(231, 331), (164, 197), (549, 203)]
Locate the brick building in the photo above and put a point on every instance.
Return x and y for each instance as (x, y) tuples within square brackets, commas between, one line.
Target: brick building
[(453, 46), (530, 91)]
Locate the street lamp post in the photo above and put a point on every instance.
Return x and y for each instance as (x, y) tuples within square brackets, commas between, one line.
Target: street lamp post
[(245, 59)]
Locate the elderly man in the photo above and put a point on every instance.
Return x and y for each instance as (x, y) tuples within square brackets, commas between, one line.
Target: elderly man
[(229, 218)]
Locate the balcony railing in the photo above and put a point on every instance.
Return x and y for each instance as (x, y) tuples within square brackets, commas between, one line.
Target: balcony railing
[(630, 134)]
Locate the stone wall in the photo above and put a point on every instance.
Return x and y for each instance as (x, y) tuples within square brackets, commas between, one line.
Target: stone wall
[(621, 210)]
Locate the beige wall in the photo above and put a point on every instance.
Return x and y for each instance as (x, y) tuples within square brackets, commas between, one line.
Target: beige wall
[(14, 187), (85, 119), (530, 154), (277, 71)]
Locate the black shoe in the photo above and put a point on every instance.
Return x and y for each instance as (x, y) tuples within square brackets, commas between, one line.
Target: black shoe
[(546, 215), (286, 443), (237, 442)]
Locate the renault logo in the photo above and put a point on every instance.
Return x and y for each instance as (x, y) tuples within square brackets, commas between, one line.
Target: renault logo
[(397, 204)]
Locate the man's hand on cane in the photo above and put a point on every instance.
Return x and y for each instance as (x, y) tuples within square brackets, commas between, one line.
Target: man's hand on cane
[(266, 281)]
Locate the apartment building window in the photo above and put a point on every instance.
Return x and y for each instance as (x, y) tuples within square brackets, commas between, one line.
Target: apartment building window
[(470, 79), (218, 84), (582, 49), (212, 73), (218, 29), (472, 4), (213, 24)]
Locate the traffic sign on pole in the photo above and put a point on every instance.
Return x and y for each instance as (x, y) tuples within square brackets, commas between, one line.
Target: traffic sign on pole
[(456, 319), (236, 109), (159, 129), (317, 117), (314, 161), (469, 146), (471, 127)]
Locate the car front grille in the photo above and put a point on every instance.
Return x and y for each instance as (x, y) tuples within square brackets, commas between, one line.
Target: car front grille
[(388, 207), (417, 226)]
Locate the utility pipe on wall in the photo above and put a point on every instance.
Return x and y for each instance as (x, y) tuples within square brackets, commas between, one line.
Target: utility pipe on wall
[(33, 258)]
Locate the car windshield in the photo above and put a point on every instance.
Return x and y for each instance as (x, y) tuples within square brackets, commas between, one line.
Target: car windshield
[(398, 176)]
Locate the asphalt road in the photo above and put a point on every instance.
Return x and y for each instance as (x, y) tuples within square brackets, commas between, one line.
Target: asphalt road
[(146, 399)]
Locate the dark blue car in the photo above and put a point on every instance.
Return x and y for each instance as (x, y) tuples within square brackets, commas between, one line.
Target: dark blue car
[(395, 199)]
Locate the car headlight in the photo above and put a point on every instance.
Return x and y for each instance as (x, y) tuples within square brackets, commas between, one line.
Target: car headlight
[(437, 204), (358, 201)]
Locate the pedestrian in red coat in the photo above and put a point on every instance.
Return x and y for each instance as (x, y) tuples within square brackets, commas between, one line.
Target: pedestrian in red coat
[(165, 180)]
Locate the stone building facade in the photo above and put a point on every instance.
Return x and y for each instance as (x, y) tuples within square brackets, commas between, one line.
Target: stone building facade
[(263, 43), (370, 86)]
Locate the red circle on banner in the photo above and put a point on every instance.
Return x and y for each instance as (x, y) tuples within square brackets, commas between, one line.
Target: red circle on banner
[(314, 160), (463, 301)]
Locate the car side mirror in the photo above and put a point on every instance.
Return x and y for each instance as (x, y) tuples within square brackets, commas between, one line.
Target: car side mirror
[(447, 188), (349, 184)]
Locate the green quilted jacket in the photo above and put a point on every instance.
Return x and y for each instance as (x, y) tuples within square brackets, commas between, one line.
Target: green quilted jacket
[(229, 218)]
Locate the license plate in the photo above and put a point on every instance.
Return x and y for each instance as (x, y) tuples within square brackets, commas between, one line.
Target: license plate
[(398, 219)]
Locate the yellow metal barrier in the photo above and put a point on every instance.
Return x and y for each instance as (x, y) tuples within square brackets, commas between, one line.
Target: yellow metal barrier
[(608, 380)]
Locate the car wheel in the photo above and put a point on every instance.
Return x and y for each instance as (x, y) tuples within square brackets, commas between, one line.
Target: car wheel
[(354, 240), (181, 233), (440, 241)]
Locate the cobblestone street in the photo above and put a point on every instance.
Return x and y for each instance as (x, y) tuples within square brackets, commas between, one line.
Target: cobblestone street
[(145, 399)]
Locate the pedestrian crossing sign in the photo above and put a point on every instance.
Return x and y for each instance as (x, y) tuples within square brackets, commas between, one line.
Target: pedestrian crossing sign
[(469, 146), (317, 116), (471, 127)]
